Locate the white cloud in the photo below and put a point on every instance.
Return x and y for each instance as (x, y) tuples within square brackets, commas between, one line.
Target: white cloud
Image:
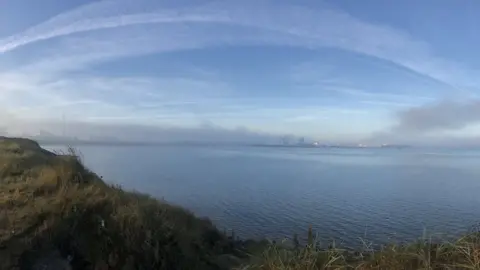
[(323, 27), (57, 79)]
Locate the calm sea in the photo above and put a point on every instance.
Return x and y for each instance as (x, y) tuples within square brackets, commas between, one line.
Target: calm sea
[(377, 195)]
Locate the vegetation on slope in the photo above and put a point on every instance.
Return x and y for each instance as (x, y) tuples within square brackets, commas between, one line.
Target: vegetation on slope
[(55, 214), (423, 254)]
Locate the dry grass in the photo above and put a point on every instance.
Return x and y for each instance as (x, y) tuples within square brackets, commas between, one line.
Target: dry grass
[(51, 202), (462, 254)]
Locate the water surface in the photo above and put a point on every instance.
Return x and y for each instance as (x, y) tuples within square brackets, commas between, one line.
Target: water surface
[(378, 195)]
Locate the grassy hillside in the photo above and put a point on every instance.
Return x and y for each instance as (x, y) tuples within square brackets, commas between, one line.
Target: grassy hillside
[(55, 214)]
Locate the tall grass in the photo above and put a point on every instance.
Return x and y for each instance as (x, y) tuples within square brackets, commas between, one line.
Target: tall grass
[(423, 254), (53, 209), (56, 204)]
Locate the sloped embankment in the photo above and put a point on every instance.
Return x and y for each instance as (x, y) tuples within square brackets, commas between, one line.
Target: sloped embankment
[(55, 212)]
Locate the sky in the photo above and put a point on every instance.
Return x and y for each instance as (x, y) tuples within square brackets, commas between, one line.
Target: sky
[(335, 71)]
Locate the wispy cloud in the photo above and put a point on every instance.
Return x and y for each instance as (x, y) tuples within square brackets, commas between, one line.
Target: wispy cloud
[(350, 83), (58, 78), (97, 97), (322, 27)]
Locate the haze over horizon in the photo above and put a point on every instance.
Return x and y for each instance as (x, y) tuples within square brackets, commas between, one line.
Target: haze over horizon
[(336, 71)]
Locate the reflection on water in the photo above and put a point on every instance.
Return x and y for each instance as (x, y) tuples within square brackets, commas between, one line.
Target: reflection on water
[(346, 194)]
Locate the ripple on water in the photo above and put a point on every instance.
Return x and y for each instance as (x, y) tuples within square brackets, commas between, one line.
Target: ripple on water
[(379, 195)]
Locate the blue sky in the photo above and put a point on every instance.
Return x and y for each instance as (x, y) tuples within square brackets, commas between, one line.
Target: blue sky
[(347, 71)]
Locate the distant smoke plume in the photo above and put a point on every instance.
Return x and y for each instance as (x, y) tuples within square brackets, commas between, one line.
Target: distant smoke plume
[(447, 115)]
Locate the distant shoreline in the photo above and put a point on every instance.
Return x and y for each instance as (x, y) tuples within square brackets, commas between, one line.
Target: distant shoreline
[(137, 143), (333, 146)]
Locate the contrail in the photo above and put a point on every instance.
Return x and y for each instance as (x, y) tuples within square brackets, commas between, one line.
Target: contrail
[(312, 28), (85, 25)]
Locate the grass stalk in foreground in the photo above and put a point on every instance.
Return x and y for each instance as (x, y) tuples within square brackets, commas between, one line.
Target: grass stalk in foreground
[(54, 210), (425, 254)]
